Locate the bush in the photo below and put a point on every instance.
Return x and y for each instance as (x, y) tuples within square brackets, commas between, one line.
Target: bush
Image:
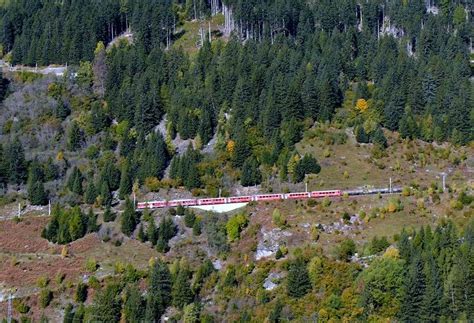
[(278, 219), (45, 297), (42, 282), (20, 306), (81, 293), (235, 225), (346, 250), (91, 265)]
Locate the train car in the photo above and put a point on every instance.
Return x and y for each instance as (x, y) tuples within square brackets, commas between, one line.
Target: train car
[(159, 204), (269, 197), (317, 194), (240, 199), (298, 196), (143, 205), (211, 201), (188, 202)]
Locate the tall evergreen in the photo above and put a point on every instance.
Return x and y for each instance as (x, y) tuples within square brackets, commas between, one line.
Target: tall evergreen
[(36, 193), (414, 292), (298, 282), (129, 219), (159, 292)]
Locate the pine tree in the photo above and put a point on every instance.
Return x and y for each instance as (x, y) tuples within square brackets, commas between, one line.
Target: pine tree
[(152, 231), (129, 218), (105, 194), (36, 192), (181, 291), (134, 307), (125, 181), (159, 292), (107, 304), (109, 216), (189, 218), (433, 298), (75, 137), (90, 195), (141, 236), (250, 173), (92, 225), (15, 162), (414, 292), (378, 138), (298, 282)]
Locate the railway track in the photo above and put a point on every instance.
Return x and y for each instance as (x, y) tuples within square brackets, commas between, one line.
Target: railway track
[(262, 198)]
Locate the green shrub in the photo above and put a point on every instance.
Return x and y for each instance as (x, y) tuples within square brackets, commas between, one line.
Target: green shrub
[(45, 297)]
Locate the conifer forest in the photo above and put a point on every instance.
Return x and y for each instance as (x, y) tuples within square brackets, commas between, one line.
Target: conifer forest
[(110, 106)]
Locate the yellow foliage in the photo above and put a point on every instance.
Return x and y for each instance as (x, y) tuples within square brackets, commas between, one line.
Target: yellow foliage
[(230, 146), (391, 252), (362, 105), (64, 252), (152, 183), (60, 156), (392, 207)]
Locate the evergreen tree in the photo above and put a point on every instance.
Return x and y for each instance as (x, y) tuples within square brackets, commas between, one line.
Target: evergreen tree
[(181, 291), (152, 232), (250, 173), (378, 138), (90, 195), (298, 282), (159, 292), (125, 181), (75, 137), (15, 162), (129, 218), (107, 304), (109, 216), (134, 307), (414, 292), (92, 225), (36, 192), (105, 194), (189, 218), (433, 298)]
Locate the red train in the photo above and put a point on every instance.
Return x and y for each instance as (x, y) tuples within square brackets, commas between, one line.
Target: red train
[(237, 199)]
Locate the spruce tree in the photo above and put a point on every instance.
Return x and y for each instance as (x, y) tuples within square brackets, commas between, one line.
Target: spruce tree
[(250, 173), (298, 282), (109, 216), (159, 292), (92, 225), (15, 162), (36, 192), (181, 291), (91, 193), (75, 137), (129, 218), (125, 181), (414, 292), (134, 307)]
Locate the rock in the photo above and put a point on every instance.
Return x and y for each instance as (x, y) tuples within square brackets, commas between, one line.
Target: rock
[(272, 281), (270, 242)]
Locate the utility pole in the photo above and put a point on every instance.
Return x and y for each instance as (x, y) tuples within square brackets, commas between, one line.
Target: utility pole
[(220, 191), (9, 314), (444, 181), (390, 187), (19, 209), (49, 207)]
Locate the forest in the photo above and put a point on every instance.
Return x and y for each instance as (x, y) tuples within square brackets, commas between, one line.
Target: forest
[(283, 67), (244, 109)]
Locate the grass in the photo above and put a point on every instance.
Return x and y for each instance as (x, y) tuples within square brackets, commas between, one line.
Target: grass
[(189, 33)]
